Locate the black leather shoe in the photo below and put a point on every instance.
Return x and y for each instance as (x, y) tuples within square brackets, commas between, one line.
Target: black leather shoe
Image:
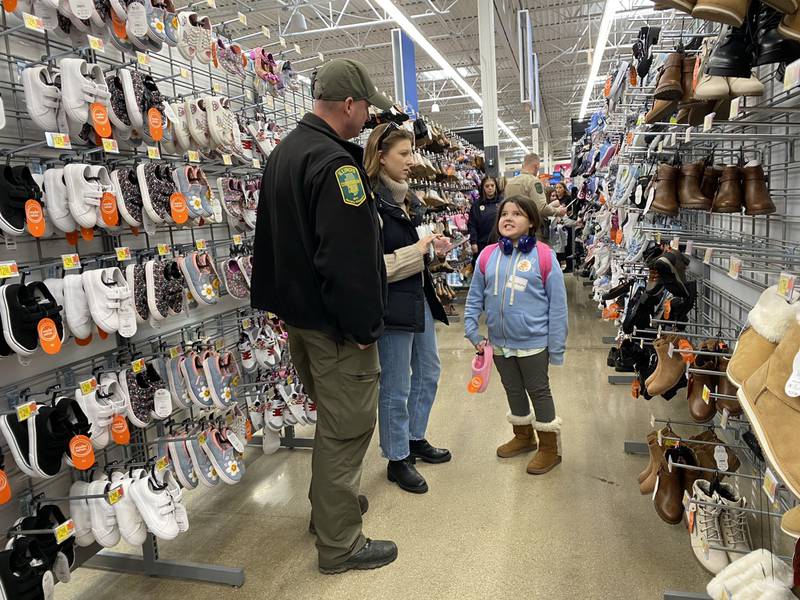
[(770, 46), (422, 450), (732, 57), (405, 474), (362, 502), (374, 554)]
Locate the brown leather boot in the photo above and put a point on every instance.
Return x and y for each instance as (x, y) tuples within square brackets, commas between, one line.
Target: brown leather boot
[(683, 115), (729, 194), (549, 454), (523, 441), (699, 111), (756, 194), (661, 111), (687, 79), (648, 484), (652, 440), (668, 500), (711, 182), (727, 388), (699, 410), (668, 370), (689, 194), (790, 26), (669, 83), (666, 200), (704, 452)]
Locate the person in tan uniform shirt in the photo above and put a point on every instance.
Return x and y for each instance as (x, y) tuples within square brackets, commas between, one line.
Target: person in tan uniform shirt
[(527, 184)]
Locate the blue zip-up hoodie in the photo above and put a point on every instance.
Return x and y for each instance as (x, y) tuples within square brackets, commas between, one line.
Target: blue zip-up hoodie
[(522, 314)]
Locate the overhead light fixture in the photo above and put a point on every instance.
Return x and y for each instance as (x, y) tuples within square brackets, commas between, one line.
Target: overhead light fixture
[(297, 21), (606, 22), (434, 107), (419, 38)]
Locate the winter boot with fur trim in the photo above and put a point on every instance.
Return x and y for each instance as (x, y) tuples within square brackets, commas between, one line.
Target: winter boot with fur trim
[(768, 321), (549, 454), (523, 440)]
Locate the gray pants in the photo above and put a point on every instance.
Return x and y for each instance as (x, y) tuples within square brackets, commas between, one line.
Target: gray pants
[(523, 377)]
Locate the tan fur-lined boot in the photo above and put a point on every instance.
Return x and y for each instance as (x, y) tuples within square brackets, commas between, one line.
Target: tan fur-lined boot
[(524, 439), (549, 454)]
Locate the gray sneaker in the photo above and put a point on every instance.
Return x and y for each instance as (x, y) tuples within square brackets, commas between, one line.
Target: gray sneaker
[(226, 461), (206, 473), (222, 375)]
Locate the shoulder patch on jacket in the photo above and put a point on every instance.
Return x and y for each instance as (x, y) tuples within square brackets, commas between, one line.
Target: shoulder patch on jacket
[(351, 186), (539, 187)]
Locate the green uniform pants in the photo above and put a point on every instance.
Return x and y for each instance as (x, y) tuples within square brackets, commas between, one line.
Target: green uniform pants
[(343, 381)]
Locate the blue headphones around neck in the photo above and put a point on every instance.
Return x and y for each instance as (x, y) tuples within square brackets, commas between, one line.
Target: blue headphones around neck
[(524, 244)]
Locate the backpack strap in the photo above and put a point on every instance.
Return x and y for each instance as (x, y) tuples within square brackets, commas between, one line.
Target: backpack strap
[(545, 260), (484, 256)]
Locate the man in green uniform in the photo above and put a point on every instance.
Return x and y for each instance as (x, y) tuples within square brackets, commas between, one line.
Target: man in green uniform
[(318, 264), (527, 184)]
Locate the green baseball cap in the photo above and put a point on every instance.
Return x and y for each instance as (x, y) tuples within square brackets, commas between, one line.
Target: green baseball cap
[(343, 78)]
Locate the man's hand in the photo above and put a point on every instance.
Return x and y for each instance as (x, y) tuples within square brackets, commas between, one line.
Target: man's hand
[(363, 347)]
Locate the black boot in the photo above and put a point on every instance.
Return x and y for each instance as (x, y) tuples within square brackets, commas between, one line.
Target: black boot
[(770, 46), (374, 554), (422, 450), (733, 56), (404, 473)]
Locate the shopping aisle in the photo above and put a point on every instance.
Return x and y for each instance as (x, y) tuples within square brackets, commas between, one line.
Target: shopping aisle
[(486, 529)]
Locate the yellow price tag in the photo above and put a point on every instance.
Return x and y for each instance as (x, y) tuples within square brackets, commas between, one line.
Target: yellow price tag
[(706, 394), (786, 285), (212, 3), (33, 22), (219, 344), (26, 411), (707, 256), (735, 267), (115, 495), (194, 156), (88, 386), (123, 253), (59, 141), (246, 323), (96, 43), (237, 239), (242, 18), (162, 464), (163, 249), (71, 261), (200, 244), (175, 351), (770, 484), (290, 380), (673, 120), (153, 153), (143, 58), (64, 531), (138, 365), (8, 269), (227, 160), (202, 438), (265, 32), (256, 163), (110, 145), (216, 87), (184, 72)]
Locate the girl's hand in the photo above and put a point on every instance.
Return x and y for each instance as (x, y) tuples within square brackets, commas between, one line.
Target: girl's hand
[(480, 346)]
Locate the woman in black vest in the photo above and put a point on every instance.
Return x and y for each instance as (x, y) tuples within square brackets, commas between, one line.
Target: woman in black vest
[(409, 356), (483, 216)]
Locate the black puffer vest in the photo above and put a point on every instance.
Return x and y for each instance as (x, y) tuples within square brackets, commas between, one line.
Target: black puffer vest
[(405, 310)]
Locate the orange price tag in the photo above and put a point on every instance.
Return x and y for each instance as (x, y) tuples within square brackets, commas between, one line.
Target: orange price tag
[(5, 489), (34, 217), (155, 121), (9, 5), (119, 27), (81, 452), (618, 237), (178, 208), (687, 351), (667, 308), (72, 238), (48, 336), (248, 430), (108, 209), (99, 115), (87, 233), (636, 388), (120, 432)]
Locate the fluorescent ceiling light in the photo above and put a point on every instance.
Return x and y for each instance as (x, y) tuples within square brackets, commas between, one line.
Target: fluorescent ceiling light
[(607, 21), (439, 74), (419, 38), (475, 111), (435, 107)]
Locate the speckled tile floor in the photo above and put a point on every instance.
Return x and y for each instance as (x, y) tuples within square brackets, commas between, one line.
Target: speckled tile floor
[(486, 529)]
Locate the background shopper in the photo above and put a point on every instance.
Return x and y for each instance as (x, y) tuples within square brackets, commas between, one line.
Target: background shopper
[(409, 356), (518, 284), (527, 185), (567, 222), (482, 215), (318, 264)]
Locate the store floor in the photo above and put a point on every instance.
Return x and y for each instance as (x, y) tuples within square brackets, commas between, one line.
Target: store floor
[(485, 530)]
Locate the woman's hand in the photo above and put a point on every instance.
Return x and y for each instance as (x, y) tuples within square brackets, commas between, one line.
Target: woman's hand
[(423, 244), (474, 248)]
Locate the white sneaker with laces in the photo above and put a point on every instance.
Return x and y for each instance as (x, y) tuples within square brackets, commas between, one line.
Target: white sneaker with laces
[(274, 413), (733, 522), (706, 531), (103, 516), (294, 401), (197, 120)]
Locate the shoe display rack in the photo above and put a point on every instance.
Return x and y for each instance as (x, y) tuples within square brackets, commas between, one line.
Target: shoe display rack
[(689, 240), (134, 136)]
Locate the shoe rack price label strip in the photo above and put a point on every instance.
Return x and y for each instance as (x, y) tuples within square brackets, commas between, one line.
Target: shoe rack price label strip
[(64, 531), (88, 386), (162, 464), (142, 58), (123, 253), (194, 156), (138, 365), (33, 22), (708, 121), (734, 112), (707, 256), (175, 351), (265, 32), (770, 485), (70, 261), (792, 77), (97, 44), (26, 411), (163, 249), (114, 495), (242, 18), (786, 285), (8, 269), (110, 146), (60, 141), (735, 268), (153, 153)]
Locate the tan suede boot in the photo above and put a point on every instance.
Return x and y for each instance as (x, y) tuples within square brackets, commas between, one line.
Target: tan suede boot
[(523, 441), (549, 454)]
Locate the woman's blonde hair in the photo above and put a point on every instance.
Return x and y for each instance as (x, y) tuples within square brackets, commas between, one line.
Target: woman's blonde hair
[(372, 157)]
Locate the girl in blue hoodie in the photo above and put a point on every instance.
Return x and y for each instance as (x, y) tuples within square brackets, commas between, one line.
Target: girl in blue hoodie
[(520, 286)]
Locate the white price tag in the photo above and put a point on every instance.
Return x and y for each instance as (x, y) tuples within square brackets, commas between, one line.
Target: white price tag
[(673, 139), (110, 145), (242, 18), (689, 247), (661, 146), (297, 48), (792, 386), (708, 121), (265, 32), (256, 163), (59, 141), (792, 77), (735, 267), (734, 112), (707, 256), (33, 22), (687, 136), (675, 243), (184, 72), (97, 44), (212, 3), (320, 56), (723, 421), (282, 42), (721, 457), (227, 160)]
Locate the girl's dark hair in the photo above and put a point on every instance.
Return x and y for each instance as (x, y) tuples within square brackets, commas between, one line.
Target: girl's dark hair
[(527, 206), (564, 186), (497, 193)]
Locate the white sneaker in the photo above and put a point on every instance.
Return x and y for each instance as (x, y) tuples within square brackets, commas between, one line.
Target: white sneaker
[(102, 515), (100, 413), (246, 354), (733, 522), (42, 97), (706, 530), (187, 27), (274, 413), (175, 492), (110, 300), (156, 507), (294, 401), (311, 411), (197, 119), (81, 85), (56, 202), (85, 187), (76, 307), (79, 513), (130, 522), (203, 40), (100, 183), (219, 120), (176, 113), (56, 287)]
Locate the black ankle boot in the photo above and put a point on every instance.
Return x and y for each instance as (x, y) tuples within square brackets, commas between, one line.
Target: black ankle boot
[(422, 450), (404, 473)]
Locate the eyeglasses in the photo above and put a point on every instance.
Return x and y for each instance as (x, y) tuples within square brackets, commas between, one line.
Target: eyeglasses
[(390, 127)]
